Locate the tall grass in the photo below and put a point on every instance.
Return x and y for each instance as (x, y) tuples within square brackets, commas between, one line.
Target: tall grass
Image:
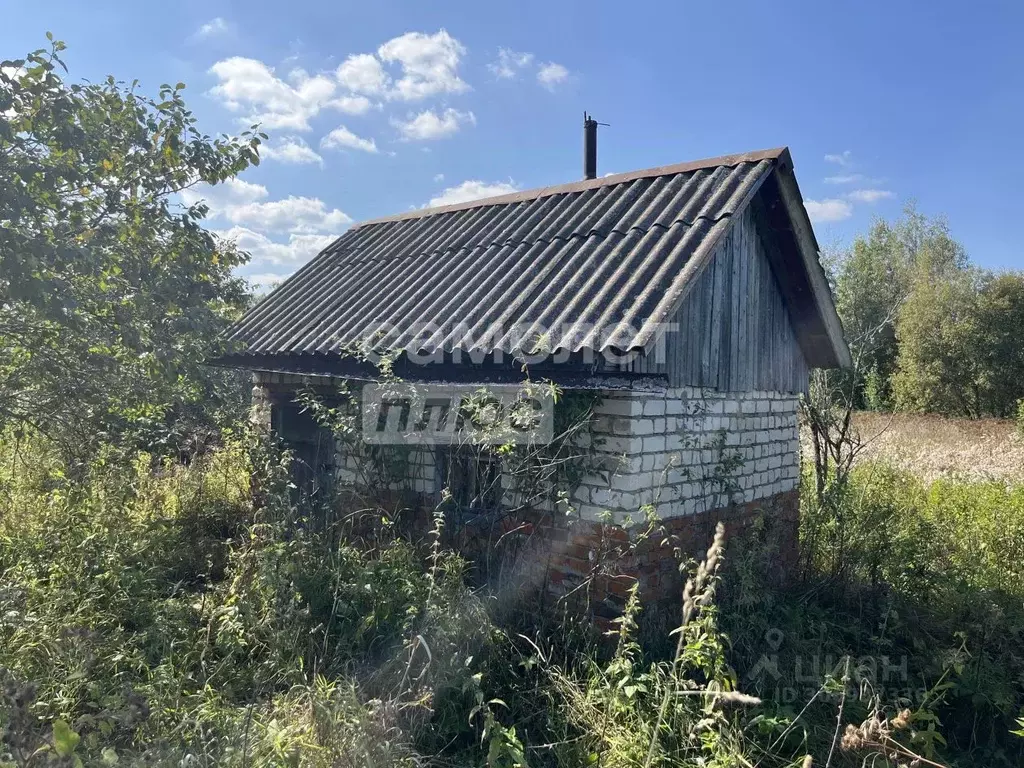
[(155, 613), (162, 613), (943, 539), (920, 583)]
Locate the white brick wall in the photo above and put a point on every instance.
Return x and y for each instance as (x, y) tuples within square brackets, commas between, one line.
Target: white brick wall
[(259, 411), (420, 464), (686, 451), (683, 450)]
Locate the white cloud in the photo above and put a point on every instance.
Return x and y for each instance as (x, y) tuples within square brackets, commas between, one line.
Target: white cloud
[(843, 159), (550, 75), (342, 138), (844, 178), (429, 64), (509, 62), (299, 215), (243, 203), (351, 105), (363, 73), (429, 125), (827, 210), (250, 86), (219, 197), (438, 177), (249, 219), (264, 251), (471, 190), (213, 28), (869, 195), (264, 282), (293, 150)]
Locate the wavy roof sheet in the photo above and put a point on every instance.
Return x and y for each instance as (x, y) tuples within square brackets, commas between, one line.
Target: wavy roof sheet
[(592, 265)]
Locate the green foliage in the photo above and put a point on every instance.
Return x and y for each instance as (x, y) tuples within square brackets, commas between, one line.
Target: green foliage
[(675, 712), (876, 277), (927, 541), (111, 293), (953, 356), (160, 611), (1000, 318), (163, 613), (920, 585), (928, 331)]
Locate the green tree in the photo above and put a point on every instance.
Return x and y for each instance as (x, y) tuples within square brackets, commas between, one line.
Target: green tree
[(940, 368), (874, 280), (111, 293), (1000, 344), (960, 351)]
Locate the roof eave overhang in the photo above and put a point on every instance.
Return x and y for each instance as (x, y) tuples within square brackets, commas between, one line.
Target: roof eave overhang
[(330, 367), (807, 244)]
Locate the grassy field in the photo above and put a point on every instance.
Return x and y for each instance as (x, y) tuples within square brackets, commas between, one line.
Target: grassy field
[(933, 447)]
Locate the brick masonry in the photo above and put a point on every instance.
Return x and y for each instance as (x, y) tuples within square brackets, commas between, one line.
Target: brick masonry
[(653, 557), (689, 456), (685, 451)]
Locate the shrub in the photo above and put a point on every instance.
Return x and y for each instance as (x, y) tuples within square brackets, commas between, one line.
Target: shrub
[(159, 611), (920, 584)]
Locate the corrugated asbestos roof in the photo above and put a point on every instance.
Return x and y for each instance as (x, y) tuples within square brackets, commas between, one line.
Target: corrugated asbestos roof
[(614, 254)]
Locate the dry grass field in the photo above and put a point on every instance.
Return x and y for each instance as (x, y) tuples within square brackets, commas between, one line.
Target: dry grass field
[(935, 446)]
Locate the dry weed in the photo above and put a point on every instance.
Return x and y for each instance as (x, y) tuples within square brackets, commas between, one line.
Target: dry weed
[(936, 446)]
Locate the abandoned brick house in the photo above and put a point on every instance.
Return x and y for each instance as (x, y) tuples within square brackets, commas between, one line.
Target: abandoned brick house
[(689, 297)]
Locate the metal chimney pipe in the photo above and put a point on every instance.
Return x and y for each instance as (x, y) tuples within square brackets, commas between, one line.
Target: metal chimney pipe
[(589, 147)]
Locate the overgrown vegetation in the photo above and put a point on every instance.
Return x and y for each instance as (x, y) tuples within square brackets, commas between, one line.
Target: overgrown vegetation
[(184, 607), (920, 584), (164, 615)]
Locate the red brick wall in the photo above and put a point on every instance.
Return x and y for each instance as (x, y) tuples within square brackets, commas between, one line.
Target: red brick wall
[(593, 565)]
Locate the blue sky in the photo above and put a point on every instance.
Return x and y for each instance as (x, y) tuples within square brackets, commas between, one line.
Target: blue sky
[(374, 108)]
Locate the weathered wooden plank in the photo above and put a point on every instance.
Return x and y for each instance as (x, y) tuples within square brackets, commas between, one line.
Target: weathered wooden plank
[(755, 318), (772, 350), (747, 308), (729, 333), (734, 330), (766, 373), (695, 336), (719, 305), (758, 317)]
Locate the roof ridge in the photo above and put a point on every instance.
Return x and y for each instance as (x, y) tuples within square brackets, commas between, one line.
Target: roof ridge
[(780, 154)]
